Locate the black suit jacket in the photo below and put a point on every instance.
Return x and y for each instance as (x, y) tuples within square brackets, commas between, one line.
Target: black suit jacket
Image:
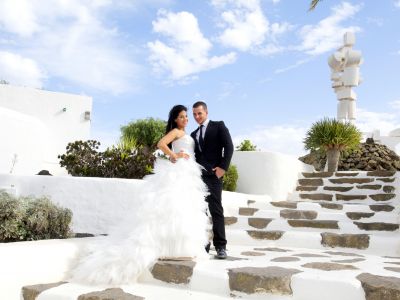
[(218, 147)]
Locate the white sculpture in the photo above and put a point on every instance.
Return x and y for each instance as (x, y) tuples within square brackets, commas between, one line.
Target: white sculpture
[(344, 64)]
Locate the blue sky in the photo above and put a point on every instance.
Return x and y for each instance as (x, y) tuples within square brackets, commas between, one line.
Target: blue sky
[(261, 65)]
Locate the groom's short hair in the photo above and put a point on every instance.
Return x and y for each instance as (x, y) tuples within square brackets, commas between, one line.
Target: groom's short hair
[(200, 103)]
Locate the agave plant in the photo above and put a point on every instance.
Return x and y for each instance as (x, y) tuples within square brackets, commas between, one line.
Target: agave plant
[(332, 136)]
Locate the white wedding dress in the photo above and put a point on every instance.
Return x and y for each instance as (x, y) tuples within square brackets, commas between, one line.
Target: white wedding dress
[(169, 222)]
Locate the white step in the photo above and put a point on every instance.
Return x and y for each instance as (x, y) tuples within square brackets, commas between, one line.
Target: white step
[(211, 278), (384, 243)]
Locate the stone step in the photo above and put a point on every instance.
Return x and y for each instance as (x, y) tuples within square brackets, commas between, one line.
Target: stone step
[(311, 182), (350, 189), (317, 213), (370, 197), (74, 291), (347, 225), (377, 226), (329, 174), (345, 180), (347, 206), (263, 272), (379, 243), (381, 173), (348, 174)]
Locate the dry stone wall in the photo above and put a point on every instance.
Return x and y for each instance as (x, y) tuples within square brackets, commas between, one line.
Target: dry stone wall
[(368, 157)]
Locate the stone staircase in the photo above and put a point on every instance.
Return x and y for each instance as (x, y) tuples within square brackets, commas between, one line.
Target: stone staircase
[(337, 235), (356, 210)]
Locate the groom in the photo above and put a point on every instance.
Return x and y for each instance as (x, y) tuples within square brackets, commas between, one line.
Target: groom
[(213, 151)]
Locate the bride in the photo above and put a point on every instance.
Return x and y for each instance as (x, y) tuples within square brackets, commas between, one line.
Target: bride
[(169, 222)]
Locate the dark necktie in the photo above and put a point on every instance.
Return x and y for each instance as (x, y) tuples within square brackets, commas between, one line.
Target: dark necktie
[(201, 140)]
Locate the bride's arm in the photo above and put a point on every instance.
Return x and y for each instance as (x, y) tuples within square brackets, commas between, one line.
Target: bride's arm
[(167, 139)]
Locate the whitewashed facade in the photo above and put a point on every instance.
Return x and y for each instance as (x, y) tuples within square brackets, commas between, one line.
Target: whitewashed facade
[(36, 126)]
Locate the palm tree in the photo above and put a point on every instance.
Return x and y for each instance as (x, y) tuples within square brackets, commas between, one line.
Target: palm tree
[(332, 136), (313, 4)]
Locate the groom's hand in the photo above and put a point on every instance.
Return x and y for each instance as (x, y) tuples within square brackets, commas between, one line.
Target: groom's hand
[(219, 172)]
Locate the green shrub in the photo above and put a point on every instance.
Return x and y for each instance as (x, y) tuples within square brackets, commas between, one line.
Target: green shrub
[(45, 220), (27, 218), (229, 181), (12, 214), (143, 133), (127, 163), (246, 145), (83, 159)]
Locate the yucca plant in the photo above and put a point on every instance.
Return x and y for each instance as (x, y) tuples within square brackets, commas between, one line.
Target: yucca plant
[(332, 136)]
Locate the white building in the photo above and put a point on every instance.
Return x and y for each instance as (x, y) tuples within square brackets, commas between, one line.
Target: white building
[(37, 125)]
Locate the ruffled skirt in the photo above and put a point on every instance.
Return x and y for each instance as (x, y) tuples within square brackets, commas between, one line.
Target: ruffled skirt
[(170, 221)]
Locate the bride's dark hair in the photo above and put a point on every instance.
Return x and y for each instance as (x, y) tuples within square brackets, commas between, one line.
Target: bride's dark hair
[(173, 114)]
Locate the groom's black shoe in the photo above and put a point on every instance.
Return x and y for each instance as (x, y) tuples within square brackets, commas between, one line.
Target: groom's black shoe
[(221, 253), (207, 247)]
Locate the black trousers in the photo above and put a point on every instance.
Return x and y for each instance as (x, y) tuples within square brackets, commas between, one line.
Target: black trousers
[(217, 211)]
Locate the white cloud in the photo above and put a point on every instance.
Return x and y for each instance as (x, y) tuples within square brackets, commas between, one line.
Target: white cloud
[(187, 52), (227, 90), (280, 28), (18, 17), (271, 49), (395, 104), (264, 80), (69, 40), (369, 121), (246, 25), (376, 21), (20, 70), (328, 33), (246, 28), (286, 139), (397, 3), (291, 67)]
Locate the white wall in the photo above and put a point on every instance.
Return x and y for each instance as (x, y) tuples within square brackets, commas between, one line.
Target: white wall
[(99, 203), (23, 136), (96, 203), (36, 129), (270, 173)]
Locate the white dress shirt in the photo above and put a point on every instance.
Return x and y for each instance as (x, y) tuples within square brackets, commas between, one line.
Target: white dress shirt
[(205, 124)]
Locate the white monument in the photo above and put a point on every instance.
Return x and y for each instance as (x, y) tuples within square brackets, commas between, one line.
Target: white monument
[(345, 74)]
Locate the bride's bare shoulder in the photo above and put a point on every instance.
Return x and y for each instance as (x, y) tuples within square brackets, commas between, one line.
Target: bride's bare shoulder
[(179, 133)]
